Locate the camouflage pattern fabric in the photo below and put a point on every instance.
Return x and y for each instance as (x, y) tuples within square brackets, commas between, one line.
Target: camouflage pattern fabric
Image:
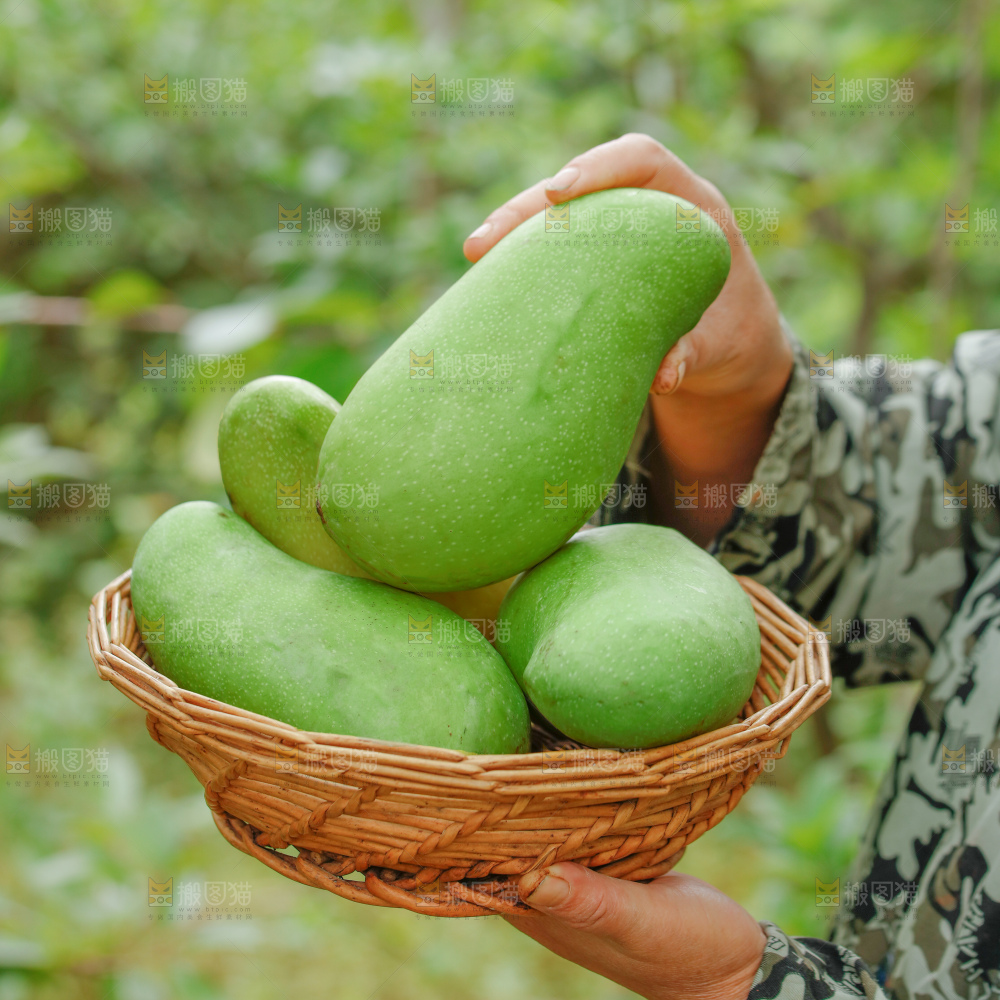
[(875, 514)]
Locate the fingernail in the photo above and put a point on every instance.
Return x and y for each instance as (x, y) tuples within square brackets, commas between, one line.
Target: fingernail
[(483, 230), (681, 369), (564, 179), (551, 891)]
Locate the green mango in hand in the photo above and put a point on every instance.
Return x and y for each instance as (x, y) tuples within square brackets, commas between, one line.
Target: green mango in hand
[(632, 636), (493, 423), (245, 623)]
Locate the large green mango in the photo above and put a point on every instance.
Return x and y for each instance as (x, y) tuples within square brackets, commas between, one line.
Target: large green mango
[(225, 613), (490, 429), (631, 636), (270, 435)]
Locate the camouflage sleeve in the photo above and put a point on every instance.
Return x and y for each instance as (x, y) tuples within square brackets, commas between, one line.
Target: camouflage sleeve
[(874, 502), (804, 968)]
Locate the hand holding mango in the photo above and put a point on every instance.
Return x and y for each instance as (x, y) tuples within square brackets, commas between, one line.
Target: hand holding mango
[(717, 390)]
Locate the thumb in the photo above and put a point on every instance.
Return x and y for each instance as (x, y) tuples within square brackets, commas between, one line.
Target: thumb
[(585, 900), (681, 357)]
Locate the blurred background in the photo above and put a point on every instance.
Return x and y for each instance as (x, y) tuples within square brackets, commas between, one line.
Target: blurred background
[(148, 151)]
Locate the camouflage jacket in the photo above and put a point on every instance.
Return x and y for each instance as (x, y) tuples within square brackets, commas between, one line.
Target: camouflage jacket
[(875, 514)]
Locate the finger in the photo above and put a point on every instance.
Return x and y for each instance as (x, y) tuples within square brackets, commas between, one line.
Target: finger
[(502, 220), (633, 160), (587, 901)]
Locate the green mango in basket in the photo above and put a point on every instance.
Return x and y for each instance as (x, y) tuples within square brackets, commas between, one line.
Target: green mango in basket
[(492, 424), (225, 613), (269, 440), (632, 636)]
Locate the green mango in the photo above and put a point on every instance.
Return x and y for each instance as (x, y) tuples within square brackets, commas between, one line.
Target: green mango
[(479, 478), (225, 613), (269, 440), (632, 636)]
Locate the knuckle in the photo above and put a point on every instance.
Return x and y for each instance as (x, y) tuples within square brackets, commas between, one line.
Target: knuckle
[(590, 910)]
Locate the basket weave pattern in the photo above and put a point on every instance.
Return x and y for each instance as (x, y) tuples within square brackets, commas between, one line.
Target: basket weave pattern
[(448, 833)]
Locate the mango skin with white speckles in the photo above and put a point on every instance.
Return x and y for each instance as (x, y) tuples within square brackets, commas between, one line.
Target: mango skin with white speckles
[(632, 636), (321, 651), (571, 338)]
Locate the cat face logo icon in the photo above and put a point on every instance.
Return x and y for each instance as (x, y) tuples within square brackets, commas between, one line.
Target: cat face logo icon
[(688, 219), (22, 220), (821, 366), (18, 497), (556, 497), (286, 758), (557, 218), (154, 91), (18, 761), (956, 220), (686, 496), (828, 893), (419, 631), (289, 219), (161, 893), (956, 498), (553, 760), (953, 761), (152, 631), (154, 367), (824, 91), (825, 626), (422, 91), (421, 366), (289, 497)]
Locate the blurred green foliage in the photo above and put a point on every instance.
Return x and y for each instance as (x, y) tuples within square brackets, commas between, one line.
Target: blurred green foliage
[(859, 262)]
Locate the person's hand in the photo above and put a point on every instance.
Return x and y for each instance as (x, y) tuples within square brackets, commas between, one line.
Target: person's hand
[(675, 937), (718, 390)]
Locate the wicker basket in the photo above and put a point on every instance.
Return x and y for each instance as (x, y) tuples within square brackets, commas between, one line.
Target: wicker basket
[(447, 833)]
